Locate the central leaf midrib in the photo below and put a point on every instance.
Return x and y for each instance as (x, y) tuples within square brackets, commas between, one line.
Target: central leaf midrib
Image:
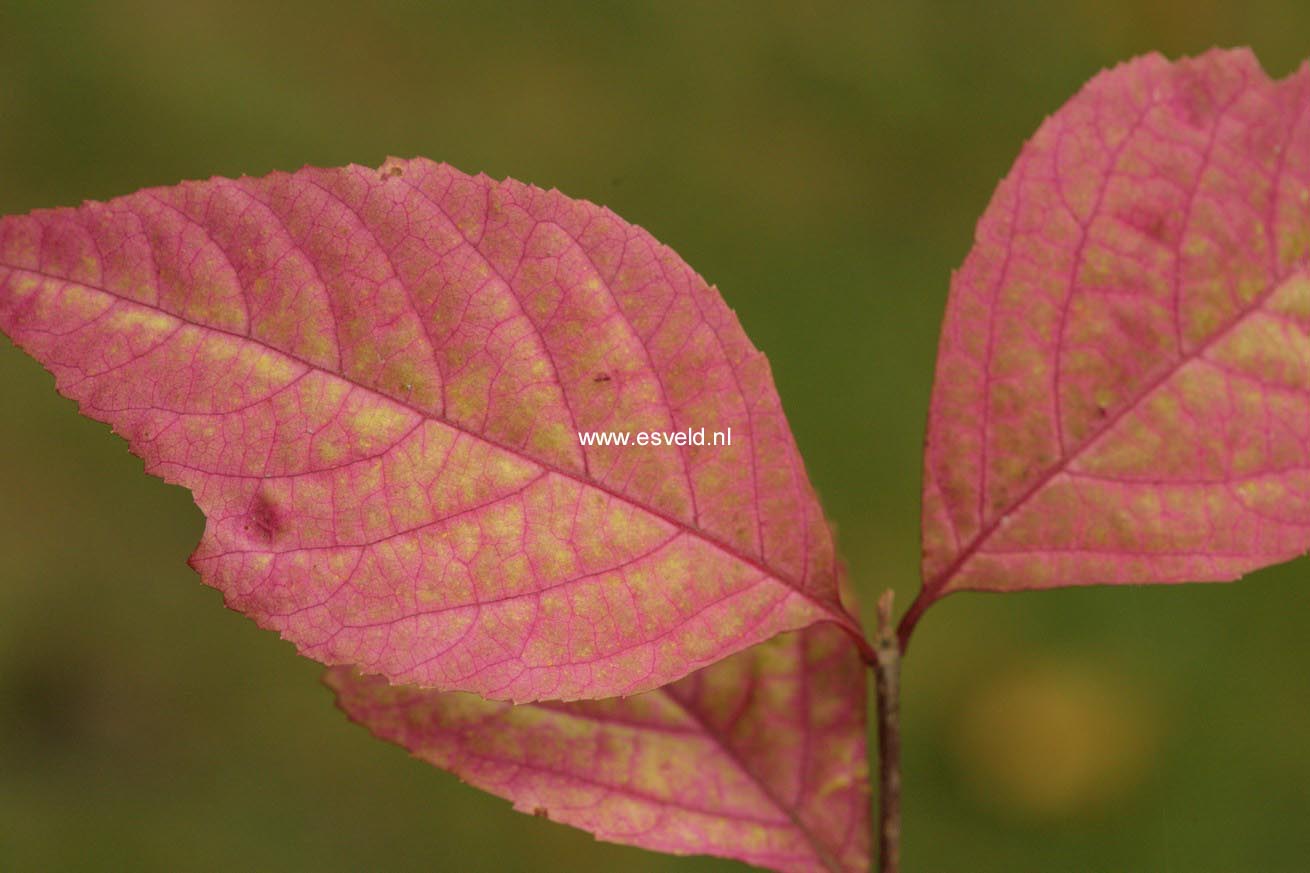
[(822, 852), (837, 615), (934, 587)]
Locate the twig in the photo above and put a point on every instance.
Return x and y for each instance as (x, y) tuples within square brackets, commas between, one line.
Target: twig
[(887, 682)]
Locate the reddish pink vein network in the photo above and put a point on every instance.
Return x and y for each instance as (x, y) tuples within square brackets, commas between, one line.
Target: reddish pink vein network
[(759, 757), (1121, 390), (372, 382)]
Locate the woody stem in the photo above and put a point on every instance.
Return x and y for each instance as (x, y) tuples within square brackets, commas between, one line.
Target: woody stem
[(887, 683)]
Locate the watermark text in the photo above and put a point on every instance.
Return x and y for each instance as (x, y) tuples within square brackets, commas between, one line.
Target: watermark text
[(691, 436)]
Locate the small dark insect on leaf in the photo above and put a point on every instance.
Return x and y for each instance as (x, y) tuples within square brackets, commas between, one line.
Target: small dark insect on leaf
[(601, 377)]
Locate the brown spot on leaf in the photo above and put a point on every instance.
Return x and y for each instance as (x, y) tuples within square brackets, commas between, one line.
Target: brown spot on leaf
[(601, 377), (1153, 223), (263, 522)]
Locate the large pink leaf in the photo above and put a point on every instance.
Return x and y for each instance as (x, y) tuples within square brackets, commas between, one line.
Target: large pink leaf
[(760, 757), (373, 383), (1123, 386)]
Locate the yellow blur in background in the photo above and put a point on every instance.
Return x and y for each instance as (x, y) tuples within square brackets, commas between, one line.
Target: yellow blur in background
[(1050, 740)]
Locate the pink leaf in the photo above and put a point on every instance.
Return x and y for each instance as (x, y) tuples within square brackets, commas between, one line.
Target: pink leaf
[(373, 383), (1123, 385), (760, 757)]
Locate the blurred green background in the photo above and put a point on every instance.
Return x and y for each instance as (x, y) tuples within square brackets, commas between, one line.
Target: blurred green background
[(824, 164)]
